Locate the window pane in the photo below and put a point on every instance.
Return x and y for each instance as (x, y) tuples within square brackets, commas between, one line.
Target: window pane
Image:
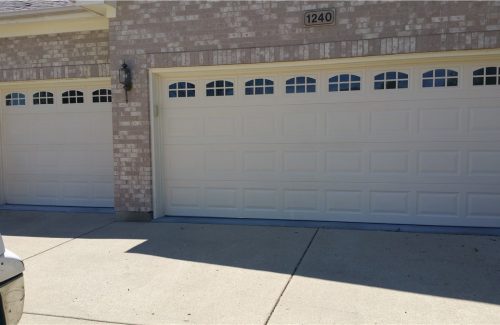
[(80, 100), (210, 92), (344, 86), (182, 93), (172, 86), (334, 79), (182, 85), (191, 93), (249, 83), (259, 82), (172, 94), (402, 75), (440, 73), (229, 92), (269, 90), (391, 75), (491, 80), (311, 80), (478, 81), (269, 82), (65, 100), (428, 74), (426, 83), (289, 89), (379, 85), (219, 83), (452, 73), (333, 87), (248, 91), (355, 78), (439, 82), (390, 85), (403, 84), (43, 101), (301, 80), (379, 77), (344, 77), (290, 81), (311, 88), (210, 84), (355, 86), (452, 82), (259, 90), (479, 72), (301, 89), (219, 92), (491, 71), (36, 101)]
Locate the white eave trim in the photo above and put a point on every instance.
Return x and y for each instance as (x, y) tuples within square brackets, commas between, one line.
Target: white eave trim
[(82, 17)]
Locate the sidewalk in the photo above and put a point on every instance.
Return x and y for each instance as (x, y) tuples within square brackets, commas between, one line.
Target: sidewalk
[(88, 268)]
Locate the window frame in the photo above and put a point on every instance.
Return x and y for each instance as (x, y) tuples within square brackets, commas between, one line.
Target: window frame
[(187, 89), (225, 88), (306, 84), (484, 76), (99, 96), (446, 77), (46, 98), (375, 74), (9, 101), (69, 97), (331, 75), (264, 87)]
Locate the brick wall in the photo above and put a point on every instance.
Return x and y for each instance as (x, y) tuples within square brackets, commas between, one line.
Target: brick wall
[(171, 34), (55, 56)]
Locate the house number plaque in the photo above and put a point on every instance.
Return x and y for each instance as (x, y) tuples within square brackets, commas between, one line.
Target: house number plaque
[(319, 17)]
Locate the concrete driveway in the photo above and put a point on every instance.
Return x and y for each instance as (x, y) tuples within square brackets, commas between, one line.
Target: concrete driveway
[(86, 268)]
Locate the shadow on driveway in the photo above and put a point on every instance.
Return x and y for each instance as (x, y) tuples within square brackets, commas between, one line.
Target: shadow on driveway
[(453, 266)]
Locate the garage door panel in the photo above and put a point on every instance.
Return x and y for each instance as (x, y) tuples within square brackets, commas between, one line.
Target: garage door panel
[(411, 156), (58, 154)]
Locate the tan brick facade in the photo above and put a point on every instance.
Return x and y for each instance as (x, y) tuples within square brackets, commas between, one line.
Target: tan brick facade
[(173, 34)]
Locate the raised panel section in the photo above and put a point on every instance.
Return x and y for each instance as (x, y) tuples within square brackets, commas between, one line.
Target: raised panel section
[(344, 162), (260, 199), (220, 161), (389, 202), (437, 204), (219, 126), (300, 124), (340, 123), (221, 198), (390, 123), (389, 162), (301, 161), (438, 163), (184, 127), (484, 119), (301, 200), (484, 163), (344, 201), (483, 205), (186, 197), (438, 121), (259, 161)]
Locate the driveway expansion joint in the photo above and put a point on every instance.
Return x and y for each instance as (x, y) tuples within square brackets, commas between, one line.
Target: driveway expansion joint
[(291, 276), (79, 318)]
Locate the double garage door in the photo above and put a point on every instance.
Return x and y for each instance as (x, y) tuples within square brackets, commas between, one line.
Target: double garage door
[(410, 143), (57, 144)]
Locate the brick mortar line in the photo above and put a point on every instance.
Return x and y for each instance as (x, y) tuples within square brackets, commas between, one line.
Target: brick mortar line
[(71, 239), (78, 318), (291, 276)]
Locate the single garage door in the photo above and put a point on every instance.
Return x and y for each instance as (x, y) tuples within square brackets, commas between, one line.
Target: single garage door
[(402, 143), (57, 145)]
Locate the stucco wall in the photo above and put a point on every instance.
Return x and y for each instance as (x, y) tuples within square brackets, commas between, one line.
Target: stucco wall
[(171, 34), (55, 56)]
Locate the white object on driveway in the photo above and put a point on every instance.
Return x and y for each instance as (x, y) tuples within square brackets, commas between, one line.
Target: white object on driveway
[(11, 286)]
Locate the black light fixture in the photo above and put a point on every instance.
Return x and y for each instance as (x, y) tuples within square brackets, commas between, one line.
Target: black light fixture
[(125, 78)]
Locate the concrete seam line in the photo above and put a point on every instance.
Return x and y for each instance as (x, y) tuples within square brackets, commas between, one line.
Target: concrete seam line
[(67, 241), (78, 318), (291, 276)]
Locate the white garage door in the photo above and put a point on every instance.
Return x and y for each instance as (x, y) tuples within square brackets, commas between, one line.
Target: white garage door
[(57, 145), (411, 144)]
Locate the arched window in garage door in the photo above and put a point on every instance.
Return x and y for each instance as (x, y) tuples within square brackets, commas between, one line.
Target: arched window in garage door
[(344, 82), (259, 86), (440, 78), (101, 96), (391, 80), (486, 76), (181, 89), (15, 99), (301, 84), (72, 97), (43, 98), (220, 88)]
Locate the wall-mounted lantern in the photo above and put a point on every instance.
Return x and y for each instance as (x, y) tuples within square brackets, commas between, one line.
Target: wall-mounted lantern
[(125, 78)]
